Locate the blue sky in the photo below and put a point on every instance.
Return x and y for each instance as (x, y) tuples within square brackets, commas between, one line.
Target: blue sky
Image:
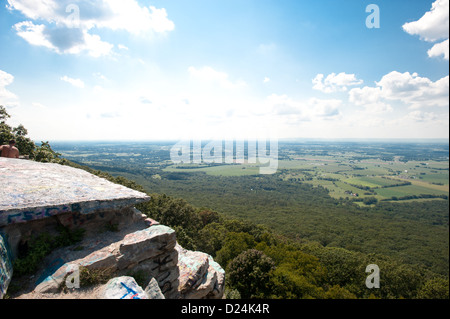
[(146, 70)]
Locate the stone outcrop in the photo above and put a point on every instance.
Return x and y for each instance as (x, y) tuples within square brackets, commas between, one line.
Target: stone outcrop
[(200, 276), (42, 197)]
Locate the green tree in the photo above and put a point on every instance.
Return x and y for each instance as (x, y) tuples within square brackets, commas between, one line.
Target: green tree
[(370, 200), (24, 144), (173, 212), (5, 130), (287, 283), (250, 272), (45, 154), (211, 238), (235, 243)]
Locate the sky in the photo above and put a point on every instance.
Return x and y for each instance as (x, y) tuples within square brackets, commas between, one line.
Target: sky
[(225, 69)]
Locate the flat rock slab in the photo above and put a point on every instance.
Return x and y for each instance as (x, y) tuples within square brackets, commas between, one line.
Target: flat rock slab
[(32, 190)]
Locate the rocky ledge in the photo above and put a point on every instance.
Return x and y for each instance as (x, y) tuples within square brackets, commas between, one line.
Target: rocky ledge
[(141, 257)]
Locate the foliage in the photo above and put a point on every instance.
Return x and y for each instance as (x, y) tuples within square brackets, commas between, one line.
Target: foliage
[(235, 244), (436, 288), (34, 250), (45, 154), (249, 273), (91, 277), (263, 264)]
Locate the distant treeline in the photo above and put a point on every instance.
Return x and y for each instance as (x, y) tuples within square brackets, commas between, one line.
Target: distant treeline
[(368, 188), (396, 198)]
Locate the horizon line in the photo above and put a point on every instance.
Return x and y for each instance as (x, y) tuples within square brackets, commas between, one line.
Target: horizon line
[(294, 139)]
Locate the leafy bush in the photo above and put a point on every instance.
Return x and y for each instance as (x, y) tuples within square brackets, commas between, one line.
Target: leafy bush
[(37, 248)]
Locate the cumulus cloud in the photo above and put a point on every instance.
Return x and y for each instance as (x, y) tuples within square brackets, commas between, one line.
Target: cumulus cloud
[(439, 49), (7, 98), (370, 98), (67, 26), (411, 89), (335, 82), (414, 90), (433, 26), (75, 82)]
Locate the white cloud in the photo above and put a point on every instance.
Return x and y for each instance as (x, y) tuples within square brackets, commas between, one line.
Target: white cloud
[(33, 34), (5, 78), (7, 98), (75, 82), (365, 95), (67, 26), (370, 98), (63, 40), (335, 82), (411, 89), (44, 9), (439, 49), (94, 45), (266, 79), (433, 26), (207, 74), (414, 90)]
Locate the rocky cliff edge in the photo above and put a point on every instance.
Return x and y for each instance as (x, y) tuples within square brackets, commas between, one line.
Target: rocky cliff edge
[(142, 258)]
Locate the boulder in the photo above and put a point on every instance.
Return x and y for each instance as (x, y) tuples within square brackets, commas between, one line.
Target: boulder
[(124, 287), (153, 291), (200, 276)]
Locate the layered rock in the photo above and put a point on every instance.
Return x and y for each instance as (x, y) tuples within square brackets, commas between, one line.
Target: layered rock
[(200, 276), (42, 197)]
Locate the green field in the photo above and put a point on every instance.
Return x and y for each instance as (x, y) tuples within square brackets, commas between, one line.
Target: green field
[(344, 178), (409, 190), (380, 179), (222, 170)]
